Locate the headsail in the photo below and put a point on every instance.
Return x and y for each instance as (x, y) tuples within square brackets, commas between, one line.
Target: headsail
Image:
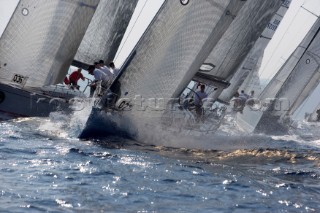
[(245, 75), (174, 46), (303, 79), (240, 37), (279, 79), (105, 31), (238, 40), (41, 39), (289, 83)]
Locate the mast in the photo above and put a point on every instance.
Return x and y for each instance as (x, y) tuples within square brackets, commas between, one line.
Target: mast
[(41, 39)]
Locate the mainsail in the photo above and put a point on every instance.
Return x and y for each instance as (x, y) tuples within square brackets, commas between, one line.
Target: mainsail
[(178, 40), (282, 75), (252, 81), (105, 31), (41, 39), (291, 81), (303, 79), (238, 40), (246, 75)]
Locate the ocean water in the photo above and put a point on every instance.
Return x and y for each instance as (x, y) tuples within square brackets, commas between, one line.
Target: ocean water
[(45, 168)]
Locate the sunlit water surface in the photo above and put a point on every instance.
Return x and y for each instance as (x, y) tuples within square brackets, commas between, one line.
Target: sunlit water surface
[(44, 167)]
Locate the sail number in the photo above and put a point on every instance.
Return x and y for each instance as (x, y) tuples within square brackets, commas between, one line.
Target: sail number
[(273, 26), (19, 79), (286, 3)]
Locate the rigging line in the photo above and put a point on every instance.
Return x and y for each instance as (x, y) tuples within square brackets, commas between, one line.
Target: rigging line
[(134, 24), (286, 31), (309, 11)]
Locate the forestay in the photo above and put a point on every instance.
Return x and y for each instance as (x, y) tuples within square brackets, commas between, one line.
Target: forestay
[(41, 39), (105, 31)]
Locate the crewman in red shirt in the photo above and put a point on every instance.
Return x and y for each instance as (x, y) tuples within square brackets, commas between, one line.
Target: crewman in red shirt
[(74, 78)]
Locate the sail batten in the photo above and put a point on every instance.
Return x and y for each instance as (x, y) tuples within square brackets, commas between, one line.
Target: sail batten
[(41, 39)]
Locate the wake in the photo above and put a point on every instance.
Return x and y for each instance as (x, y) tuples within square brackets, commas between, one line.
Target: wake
[(227, 137)]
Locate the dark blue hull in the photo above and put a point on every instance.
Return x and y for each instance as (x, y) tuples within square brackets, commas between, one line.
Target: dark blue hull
[(100, 125)]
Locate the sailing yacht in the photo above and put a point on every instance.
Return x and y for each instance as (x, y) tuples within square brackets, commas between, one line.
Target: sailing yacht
[(292, 84), (232, 48), (36, 51), (167, 57)]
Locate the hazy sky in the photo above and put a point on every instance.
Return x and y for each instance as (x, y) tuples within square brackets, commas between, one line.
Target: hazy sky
[(6, 9)]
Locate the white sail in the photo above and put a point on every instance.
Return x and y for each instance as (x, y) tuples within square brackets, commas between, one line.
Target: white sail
[(252, 82), (305, 93), (279, 79), (238, 40), (303, 79), (41, 39), (172, 49), (289, 83), (105, 31), (245, 77)]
